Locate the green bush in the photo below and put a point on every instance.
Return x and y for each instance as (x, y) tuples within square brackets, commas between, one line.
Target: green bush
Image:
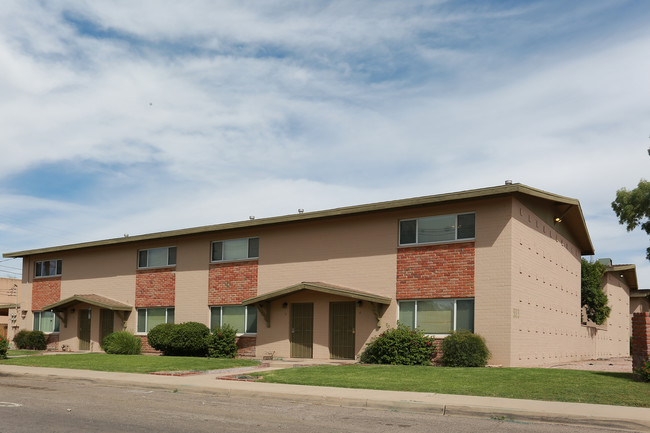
[(160, 336), (4, 345), (400, 346), (221, 343), (122, 343), (183, 339), (643, 373), (464, 349), (34, 340)]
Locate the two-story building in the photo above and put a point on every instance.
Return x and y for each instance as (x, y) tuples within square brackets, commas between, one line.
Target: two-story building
[(503, 262)]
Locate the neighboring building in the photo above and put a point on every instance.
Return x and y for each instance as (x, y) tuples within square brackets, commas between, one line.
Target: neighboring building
[(8, 304), (639, 302), (503, 262)]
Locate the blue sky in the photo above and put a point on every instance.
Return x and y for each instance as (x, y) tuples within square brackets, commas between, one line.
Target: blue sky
[(135, 117)]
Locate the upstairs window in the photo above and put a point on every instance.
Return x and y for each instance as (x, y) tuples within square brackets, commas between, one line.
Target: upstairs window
[(235, 249), (157, 257), (442, 228), (46, 322), (49, 268)]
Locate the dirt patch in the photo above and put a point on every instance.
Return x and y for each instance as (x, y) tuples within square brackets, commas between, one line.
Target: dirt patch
[(618, 365)]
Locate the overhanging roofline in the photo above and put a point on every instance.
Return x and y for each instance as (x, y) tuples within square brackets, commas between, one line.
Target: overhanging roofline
[(97, 301), (575, 220), (628, 272), (319, 287)]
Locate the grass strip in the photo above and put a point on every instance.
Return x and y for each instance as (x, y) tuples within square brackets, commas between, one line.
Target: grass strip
[(22, 352), (577, 386), (128, 363)]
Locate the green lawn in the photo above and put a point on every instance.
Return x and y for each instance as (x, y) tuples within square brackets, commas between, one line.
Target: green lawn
[(18, 352), (128, 363), (526, 383)]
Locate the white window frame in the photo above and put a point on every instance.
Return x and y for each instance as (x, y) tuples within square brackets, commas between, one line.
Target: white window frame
[(455, 327), (58, 265), (146, 318), (417, 224), (168, 265), (225, 241), (246, 308), (40, 325)]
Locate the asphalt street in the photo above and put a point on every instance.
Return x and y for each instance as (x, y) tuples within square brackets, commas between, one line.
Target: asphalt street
[(50, 404)]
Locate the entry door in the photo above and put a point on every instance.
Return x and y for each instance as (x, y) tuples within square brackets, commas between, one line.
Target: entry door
[(105, 324), (84, 329), (342, 330), (302, 330)]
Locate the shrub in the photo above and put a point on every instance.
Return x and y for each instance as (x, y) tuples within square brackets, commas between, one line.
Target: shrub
[(643, 373), (183, 339), (221, 343), (160, 336), (4, 345), (464, 349), (400, 346), (122, 343), (35, 340)]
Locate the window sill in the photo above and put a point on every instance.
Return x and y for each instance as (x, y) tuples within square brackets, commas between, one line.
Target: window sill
[(47, 276), (157, 267), (457, 241), (253, 259)]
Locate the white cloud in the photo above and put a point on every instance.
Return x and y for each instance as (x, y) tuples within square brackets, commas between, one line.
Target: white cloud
[(196, 113)]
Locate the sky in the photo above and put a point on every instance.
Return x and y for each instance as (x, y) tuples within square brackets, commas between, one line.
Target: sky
[(124, 117)]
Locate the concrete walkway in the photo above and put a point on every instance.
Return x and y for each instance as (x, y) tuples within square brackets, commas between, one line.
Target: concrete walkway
[(628, 418)]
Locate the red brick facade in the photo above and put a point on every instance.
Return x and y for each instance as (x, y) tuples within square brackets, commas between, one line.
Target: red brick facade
[(45, 291), (640, 339), (246, 346), (231, 283), (436, 271), (155, 288), (146, 348)]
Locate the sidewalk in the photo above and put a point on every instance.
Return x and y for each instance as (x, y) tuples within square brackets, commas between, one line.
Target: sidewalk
[(628, 418)]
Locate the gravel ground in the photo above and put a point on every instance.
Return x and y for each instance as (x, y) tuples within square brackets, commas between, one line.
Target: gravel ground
[(619, 365)]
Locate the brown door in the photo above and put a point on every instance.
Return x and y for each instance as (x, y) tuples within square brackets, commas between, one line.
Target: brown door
[(3, 331), (342, 330), (84, 329), (302, 330), (105, 324)]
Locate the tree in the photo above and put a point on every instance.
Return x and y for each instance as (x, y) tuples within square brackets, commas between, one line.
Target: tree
[(592, 294), (633, 208)]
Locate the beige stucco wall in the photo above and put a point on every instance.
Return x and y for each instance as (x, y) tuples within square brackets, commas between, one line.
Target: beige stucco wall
[(527, 280)]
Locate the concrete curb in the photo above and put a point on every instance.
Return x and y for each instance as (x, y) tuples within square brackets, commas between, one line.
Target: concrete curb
[(588, 415)]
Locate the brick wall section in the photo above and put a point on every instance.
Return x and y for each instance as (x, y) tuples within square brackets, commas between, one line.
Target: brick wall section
[(436, 271), (246, 346), (146, 348), (45, 291), (52, 341), (155, 288), (231, 283), (640, 339)]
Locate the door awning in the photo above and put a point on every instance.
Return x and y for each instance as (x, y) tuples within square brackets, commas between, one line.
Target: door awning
[(319, 287), (4, 308), (95, 300), (60, 308), (263, 302)]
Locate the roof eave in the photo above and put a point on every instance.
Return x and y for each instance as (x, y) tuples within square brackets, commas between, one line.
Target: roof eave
[(577, 221)]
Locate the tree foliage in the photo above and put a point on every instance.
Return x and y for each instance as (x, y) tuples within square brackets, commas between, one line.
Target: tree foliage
[(592, 293), (633, 208)]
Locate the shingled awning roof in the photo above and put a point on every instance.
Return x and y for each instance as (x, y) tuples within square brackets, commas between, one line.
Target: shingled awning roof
[(319, 287), (95, 300)]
